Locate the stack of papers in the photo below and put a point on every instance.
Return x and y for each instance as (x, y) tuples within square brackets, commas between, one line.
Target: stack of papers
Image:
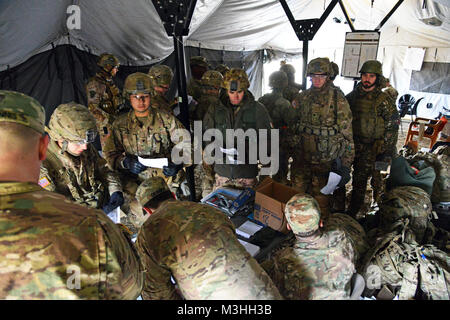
[(248, 228), (251, 248)]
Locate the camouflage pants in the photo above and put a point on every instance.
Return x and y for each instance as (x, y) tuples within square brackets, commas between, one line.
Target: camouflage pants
[(363, 169), (310, 178), (239, 183)]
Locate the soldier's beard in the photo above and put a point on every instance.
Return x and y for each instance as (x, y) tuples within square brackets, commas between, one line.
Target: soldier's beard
[(367, 85)]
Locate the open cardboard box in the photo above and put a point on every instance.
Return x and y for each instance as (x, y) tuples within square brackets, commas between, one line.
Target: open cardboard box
[(270, 199)]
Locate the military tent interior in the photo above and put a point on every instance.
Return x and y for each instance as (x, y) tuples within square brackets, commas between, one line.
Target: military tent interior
[(48, 48)]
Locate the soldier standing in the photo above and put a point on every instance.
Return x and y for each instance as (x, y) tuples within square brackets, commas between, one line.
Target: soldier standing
[(73, 166), (145, 132), (103, 97), (281, 113), (320, 264), (323, 131), (51, 247), (222, 68), (196, 245), (293, 88), (238, 110), (199, 65), (375, 132), (161, 77)]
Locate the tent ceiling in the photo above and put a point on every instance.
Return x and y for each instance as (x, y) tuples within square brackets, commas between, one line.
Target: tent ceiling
[(133, 31)]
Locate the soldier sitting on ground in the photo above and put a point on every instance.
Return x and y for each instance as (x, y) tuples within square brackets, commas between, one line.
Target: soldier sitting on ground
[(51, 247), (196, 245), (320, 264), (73, 166)]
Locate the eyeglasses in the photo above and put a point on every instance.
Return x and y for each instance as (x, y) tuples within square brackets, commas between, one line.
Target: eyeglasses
[(318, 76), (90, 137), (140, 96)]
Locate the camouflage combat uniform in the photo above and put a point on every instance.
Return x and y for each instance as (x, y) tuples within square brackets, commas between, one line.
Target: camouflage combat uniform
[(375, 132), (197, 246), (103, 96), (293, 88), (281, 113), (194, 87), (323, 131), (51, 247), (319, 266), (249, 114), (161, 75), (83, 179), (152, 136)]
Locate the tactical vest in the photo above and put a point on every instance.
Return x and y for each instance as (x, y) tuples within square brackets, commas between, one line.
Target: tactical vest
[(146, 141), (321, 139), (368, 125), (84, 188)]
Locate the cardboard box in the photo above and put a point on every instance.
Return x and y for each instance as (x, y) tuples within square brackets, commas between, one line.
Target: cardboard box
[(270, 199)]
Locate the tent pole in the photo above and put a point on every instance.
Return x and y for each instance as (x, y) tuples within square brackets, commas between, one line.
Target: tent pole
[(183, 102)]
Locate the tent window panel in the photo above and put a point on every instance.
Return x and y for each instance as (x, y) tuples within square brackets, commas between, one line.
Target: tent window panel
[(433, 78)]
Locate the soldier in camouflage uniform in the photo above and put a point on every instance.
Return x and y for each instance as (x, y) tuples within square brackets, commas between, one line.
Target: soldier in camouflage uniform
[(212, 82), (238, 110), (199, 65), (281, 113), (196, 245), (375, 132), (323, 132), (73, 166), (145, 132), (222, 68), (161, 76), (390, 90), (103, 97), (51, 247), (292, 88), (320, 264)]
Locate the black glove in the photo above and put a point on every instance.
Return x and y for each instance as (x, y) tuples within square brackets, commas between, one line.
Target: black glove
[(132, 163), (172, 169), (341, 170), (116, 200)]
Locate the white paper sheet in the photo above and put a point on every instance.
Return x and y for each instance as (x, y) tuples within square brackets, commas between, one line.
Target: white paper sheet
[(250, 247), (154, 163), (248, 228), (333, 181), (414, 58), (115, 215)]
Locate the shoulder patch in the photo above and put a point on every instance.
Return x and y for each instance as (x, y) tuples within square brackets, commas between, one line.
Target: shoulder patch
[(43, 182)]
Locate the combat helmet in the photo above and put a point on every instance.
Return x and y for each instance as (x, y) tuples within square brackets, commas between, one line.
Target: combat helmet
[(107, 62), (222, 68), (236, 80), (287, 68), (212, 78), (303, 214), (72, 122), (372, 66), (22, 109), (199, 61), (319, 65), (278, 79), (160, 75), (149, 189), (137, 83)]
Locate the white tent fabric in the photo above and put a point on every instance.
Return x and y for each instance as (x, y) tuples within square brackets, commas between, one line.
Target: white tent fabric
[(132, 30)]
